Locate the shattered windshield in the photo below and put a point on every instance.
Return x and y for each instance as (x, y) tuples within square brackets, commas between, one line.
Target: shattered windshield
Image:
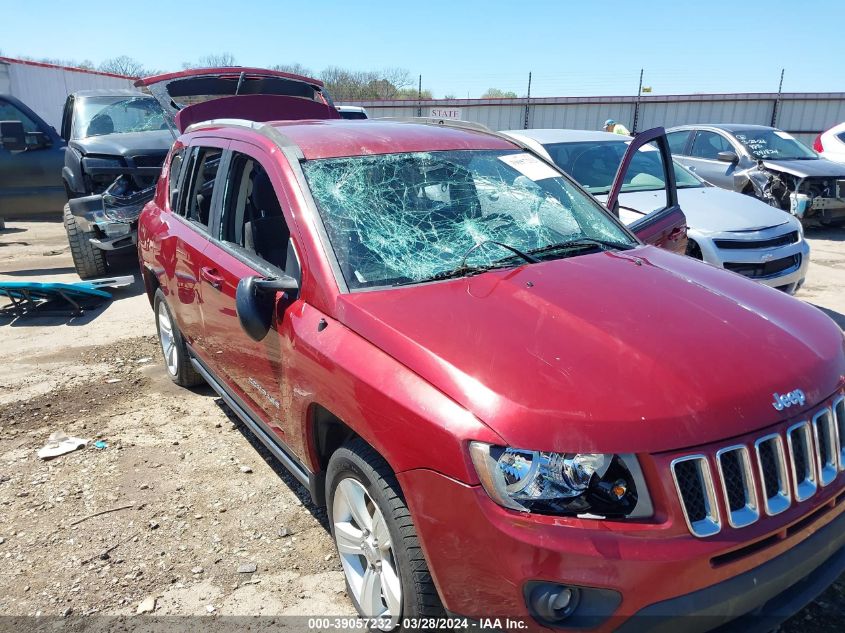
[(774, 145), (593, 164), (98, 116), (404, 218)]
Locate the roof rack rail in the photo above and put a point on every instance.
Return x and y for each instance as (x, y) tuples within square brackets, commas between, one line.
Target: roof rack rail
[(466, 125), (264, 129)]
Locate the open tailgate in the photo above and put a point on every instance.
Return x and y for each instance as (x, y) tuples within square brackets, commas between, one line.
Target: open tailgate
[(256, 94)]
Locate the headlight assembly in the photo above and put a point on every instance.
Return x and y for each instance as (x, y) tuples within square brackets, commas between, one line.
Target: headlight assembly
[(561, 483)]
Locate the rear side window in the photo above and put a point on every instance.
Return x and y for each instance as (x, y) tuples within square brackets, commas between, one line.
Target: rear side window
[(678, 141), (173, 176), (196, 201), (709, 144)]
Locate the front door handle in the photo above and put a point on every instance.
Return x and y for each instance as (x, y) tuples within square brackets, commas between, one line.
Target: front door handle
[(676, 233), (212, 277)]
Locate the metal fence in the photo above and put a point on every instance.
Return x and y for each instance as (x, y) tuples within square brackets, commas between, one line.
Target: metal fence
[(802, 114)]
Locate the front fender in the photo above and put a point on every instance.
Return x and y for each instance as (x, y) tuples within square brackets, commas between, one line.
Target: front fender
[(409, 422)]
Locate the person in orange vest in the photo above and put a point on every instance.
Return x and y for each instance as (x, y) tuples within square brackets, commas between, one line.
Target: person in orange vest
[(617, 128)]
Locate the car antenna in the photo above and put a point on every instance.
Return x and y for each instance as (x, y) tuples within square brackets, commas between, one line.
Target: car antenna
[(240, 81)]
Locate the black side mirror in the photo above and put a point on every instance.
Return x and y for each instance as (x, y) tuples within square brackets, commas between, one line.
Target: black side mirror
[(12, 136), (728, 157), (255, 299)]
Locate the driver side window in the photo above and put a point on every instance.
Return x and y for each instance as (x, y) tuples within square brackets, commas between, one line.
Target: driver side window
[(35, 136), (252, 214), (708, 145)]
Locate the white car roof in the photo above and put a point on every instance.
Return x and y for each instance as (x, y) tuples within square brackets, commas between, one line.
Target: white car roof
[(544, 136)]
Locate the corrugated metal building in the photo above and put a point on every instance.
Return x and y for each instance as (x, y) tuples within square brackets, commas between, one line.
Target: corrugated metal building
[(44, 87), (803, 114)]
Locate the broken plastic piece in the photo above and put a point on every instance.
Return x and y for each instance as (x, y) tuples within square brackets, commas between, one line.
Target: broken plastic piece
[(59, 443), (100, 444)]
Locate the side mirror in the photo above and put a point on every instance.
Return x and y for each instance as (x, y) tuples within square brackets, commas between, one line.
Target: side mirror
[(12, 136), (255, 299), (728, 157)]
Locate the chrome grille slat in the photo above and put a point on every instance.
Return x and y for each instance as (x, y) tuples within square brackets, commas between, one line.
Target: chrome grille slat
[(738, 487), (694, 484), (839, 416), (824, 435), (771, 462), (802, 460)]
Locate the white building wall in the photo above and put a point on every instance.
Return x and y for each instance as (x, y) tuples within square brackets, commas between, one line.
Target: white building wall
[(44, 88)]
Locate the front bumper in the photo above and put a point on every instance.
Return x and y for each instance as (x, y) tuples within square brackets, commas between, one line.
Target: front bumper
[(115, 227), (481, 556), (789, 279)]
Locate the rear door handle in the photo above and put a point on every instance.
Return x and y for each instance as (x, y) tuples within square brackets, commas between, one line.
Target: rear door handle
[(212, 277)]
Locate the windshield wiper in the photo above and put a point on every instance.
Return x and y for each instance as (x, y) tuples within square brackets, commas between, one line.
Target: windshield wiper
[(462, 270), (581, 242)]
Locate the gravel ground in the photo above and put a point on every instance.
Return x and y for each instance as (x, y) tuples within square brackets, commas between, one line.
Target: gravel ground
[(194, 518)]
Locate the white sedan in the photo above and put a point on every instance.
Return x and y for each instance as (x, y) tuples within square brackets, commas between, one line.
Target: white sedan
[(726, 229), (831, 143)]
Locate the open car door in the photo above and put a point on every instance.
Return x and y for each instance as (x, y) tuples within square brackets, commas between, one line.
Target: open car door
[(665, 227), (256, 94)]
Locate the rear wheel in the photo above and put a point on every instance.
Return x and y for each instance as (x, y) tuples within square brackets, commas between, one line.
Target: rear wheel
[(88, 260), (386, 573), (173, 348)]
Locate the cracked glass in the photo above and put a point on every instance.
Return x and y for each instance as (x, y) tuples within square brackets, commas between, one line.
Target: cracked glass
[(404, 218)]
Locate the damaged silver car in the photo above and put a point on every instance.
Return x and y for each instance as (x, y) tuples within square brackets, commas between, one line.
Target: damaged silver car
[(118, 140), (767, 163)]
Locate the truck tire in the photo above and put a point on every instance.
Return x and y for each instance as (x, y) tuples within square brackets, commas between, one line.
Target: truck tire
[(89, 261), (361, 488), (173, 348)]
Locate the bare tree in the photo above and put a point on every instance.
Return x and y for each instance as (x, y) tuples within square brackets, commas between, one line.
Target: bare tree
[(213, 60), (495, 93), (295, 68), (124, 65)]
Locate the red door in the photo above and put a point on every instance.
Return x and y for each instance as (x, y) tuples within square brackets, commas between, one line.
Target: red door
[(666, 228), (251, 237)]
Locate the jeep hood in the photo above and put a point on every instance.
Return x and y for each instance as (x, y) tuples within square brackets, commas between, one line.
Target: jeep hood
[(601, 353), (201, 94), (711, 209), (129, 144), (818, 167)]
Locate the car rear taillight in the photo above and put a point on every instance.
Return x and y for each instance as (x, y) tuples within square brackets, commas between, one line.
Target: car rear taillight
[(817, 144)]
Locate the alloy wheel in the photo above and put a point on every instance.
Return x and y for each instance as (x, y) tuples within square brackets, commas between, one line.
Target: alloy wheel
[(167, 340), (366, 553)]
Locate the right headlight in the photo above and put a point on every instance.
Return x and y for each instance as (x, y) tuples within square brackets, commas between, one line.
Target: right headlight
[(560, 483)]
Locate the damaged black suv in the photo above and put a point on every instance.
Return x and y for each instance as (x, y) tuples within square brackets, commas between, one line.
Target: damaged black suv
[(117, 142)]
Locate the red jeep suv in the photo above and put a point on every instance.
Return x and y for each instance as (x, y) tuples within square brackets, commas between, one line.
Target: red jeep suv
[(516, 413)]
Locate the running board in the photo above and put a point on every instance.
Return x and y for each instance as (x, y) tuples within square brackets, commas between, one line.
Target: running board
[(295, 469)]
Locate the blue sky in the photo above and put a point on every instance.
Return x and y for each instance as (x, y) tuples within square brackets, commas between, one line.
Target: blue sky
[(463, 47)]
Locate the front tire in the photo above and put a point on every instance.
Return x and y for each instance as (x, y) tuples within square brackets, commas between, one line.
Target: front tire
[(173, 348), (386, 573), (89, 261)]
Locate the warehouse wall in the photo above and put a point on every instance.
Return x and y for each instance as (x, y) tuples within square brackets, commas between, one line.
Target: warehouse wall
[(44, 87), (803, 114)]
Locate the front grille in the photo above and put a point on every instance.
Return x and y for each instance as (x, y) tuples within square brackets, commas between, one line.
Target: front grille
[(786, 467), (781, 240), (767, 269), (149, 160)]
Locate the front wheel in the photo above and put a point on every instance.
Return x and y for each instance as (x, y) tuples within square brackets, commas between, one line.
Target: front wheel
[(88, 260), (173, 347), (386, 573)]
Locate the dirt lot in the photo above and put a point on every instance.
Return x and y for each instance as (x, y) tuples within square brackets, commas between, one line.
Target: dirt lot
[(197, 502)]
